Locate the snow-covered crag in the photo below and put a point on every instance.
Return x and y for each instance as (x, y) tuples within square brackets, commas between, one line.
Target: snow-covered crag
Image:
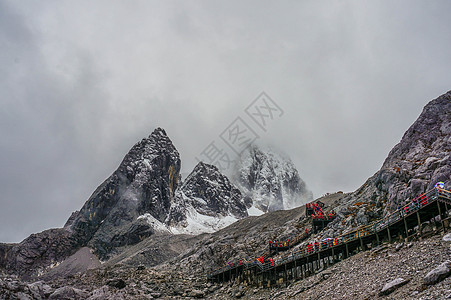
[(206, 202), (270, 180)]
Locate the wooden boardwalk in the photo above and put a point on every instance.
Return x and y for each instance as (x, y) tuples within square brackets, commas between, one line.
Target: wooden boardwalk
[(402, 223)]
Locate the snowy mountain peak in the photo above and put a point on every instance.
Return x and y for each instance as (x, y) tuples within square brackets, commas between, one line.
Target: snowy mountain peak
[(158, 132), (270, 179), (206, 202), (204, 169)]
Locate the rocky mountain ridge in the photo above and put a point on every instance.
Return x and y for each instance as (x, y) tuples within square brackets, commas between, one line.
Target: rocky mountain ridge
[(142, 198)]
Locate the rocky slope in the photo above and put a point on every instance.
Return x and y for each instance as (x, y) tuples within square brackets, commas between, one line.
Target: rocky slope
[(362, 276), (413, 166), (37, 252), (270, 179)]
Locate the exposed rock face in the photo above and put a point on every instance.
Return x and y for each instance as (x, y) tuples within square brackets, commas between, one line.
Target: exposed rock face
[(439, 273), (270, 180), (413, 166), (40, 290), (145, 182), (68, 293), (423, 156), (38, 251), (4, 249), (220, 197), (207, 201), (389, 287)]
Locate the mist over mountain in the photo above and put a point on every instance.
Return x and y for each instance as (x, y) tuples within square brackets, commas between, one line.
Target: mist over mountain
[(270, 179)]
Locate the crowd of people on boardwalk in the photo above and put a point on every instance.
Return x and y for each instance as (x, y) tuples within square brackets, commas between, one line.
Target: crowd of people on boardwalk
[(323, 217), (277, 244), (317, 212), (416, 203), (412, 205), (274, 244), (263, 261), (422, 200), (316, 246), (316, 206)]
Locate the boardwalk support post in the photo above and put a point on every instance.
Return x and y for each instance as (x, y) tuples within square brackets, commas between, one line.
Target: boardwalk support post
[(389, 234), (347, 250), (440, 214), (319, 261), (419, 223), (285, 276), (405, 227), (295, 275)]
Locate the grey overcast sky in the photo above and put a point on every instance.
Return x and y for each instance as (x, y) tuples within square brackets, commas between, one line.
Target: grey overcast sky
[(82, 81)]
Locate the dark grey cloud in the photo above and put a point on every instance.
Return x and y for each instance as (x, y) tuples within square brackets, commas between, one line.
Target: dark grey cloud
[(81, 82)]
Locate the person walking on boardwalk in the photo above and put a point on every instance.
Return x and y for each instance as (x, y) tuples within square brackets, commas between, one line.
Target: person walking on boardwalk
[(423, 199), (440, 185), (406, 209)]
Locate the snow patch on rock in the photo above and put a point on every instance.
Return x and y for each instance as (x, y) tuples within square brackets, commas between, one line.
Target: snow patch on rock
[(197, 223), (156, 225)]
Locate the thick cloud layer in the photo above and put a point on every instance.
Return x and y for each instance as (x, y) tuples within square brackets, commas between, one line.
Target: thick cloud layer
[(82, 81)]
